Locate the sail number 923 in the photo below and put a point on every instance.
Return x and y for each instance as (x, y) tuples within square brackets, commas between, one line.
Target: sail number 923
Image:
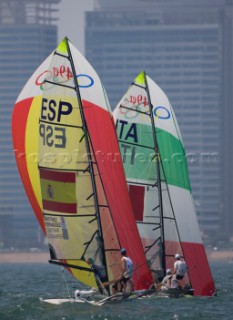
[(51, 134)]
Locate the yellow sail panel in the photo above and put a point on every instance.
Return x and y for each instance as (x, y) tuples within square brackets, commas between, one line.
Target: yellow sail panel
[(84, 192), (65, 176), (84, 276), (62, 234), (59, 152), (60, 109), (61, 136), (31, 147)]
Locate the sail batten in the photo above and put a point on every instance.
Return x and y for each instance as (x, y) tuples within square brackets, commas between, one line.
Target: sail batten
[(138, 145), (60, 84), (62, 125)]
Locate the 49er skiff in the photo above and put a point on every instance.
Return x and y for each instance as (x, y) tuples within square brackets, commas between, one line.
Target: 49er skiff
[(157, 175), (77, 187)]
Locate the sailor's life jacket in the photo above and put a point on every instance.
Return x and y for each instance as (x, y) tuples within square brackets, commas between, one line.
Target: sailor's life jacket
[(181, 268)]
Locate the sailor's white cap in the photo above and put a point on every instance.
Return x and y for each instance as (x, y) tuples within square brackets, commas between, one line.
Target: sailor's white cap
[(177, 256)]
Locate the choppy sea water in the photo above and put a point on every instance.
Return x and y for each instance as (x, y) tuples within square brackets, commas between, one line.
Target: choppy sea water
[(22, 285)]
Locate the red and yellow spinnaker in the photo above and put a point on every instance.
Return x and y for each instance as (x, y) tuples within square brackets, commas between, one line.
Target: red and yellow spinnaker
[(69, 160), (25, 134)]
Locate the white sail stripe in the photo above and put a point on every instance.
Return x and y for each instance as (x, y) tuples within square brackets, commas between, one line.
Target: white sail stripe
[(131, 114), (161, 106), (31, 89), (185, 215), (89, 79)]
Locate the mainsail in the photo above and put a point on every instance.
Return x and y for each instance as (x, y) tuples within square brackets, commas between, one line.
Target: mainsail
[(77, 187), (157, 175)]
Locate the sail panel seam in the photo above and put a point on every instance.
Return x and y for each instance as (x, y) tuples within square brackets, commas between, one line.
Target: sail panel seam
[(136, 144)]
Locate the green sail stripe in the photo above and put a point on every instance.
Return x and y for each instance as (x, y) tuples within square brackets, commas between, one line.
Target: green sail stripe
[(137, 151), (136, 164), (173, 159), (136, 145)]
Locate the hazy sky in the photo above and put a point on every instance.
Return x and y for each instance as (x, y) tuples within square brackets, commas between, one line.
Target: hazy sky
[(71, 21)]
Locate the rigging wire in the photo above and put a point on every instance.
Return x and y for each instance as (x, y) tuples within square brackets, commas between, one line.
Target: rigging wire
[(65, 282)]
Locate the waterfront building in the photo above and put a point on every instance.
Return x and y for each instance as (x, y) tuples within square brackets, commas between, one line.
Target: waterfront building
[(28, 33), (186, 47)]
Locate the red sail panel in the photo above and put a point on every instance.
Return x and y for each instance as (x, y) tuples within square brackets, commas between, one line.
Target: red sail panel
[(137, 194), (199, 270), (57, 176), (59, 207), (19, 125), (199, 273), (100, 124)]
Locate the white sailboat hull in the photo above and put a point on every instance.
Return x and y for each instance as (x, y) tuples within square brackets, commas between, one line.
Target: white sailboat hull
[(59, 301)]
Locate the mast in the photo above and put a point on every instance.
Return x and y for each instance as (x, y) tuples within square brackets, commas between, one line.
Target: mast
[(159, 185), (174, 215), (158, 174), (85, 130)]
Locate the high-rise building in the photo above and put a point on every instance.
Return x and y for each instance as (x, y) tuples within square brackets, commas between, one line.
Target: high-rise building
[(186, 46), (27, 35)]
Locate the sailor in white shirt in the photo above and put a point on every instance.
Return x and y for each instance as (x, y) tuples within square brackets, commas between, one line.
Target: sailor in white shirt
[(180, 268)]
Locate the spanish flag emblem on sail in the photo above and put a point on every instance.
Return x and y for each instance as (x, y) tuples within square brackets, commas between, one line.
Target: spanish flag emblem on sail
[(58, 191)]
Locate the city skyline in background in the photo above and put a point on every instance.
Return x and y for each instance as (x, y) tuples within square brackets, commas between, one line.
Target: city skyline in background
[(71, 22), (28, 33), (183, 47)]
